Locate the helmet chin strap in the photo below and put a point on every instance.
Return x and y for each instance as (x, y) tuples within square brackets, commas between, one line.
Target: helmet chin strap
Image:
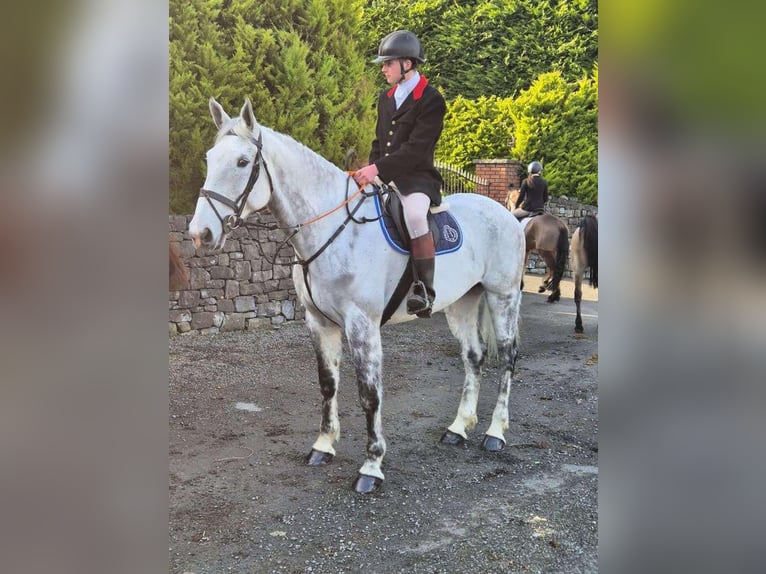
[(401, 71)]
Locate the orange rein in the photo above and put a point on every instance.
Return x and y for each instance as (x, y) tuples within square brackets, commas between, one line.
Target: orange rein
[(334, 209)]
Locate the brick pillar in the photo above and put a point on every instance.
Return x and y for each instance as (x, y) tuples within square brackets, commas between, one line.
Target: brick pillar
[(499, 173)]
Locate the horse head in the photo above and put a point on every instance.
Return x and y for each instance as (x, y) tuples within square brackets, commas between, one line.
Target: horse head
[(238, 182), (510, 199)]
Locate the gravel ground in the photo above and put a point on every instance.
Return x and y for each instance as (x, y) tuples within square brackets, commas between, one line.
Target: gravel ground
[(243, 500)]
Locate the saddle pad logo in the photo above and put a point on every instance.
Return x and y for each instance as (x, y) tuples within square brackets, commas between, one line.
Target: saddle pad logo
[(450, 234)]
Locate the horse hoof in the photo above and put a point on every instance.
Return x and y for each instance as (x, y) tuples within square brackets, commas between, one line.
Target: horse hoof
[(541, 289), (579, 330), (366, 484), (318, 458), (452, 439), (492, 443), (553, 297)]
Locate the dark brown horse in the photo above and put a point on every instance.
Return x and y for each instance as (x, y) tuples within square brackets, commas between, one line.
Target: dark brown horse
[(584, 255), (548, 236)]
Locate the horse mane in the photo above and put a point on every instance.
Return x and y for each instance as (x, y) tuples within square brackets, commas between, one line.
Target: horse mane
[(235, 126)]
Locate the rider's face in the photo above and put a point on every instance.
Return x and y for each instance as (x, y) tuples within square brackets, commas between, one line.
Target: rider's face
[(393, 71)]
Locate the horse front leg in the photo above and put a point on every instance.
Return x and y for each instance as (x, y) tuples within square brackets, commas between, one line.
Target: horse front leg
[(505, 314), (328, 347), (367, 354)]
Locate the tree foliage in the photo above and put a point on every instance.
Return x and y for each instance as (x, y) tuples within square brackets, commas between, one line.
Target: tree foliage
[(519, 77), (554, 121), (473, 129), (297, 60), (488, 48), (557, 123)]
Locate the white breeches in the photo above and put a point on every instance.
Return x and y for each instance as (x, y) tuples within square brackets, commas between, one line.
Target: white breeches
[(416, 207)]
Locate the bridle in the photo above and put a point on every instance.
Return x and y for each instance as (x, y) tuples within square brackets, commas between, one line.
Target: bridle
[(234, 220)]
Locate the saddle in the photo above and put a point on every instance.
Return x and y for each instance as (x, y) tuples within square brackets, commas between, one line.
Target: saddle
[(528, 218), (394, 209), (446, 231), (448, 236)]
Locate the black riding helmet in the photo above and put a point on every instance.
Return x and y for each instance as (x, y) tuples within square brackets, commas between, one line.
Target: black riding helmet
[(400, 45)]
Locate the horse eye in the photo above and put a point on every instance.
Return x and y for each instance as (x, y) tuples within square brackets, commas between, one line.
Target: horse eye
[(242, 162)]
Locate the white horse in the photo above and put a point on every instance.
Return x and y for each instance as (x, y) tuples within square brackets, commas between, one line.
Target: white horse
[(345, 274)]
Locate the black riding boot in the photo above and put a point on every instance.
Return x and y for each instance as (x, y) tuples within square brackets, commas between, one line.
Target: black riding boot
[(422, 298)]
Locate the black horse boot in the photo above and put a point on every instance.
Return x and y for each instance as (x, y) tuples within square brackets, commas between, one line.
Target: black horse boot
[(422, 298)]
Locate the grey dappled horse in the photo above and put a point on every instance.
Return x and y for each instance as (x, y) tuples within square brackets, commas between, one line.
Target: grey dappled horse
[(345, 274)]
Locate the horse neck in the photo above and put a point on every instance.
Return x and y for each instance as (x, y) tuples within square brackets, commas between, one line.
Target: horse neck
[(305, 186)]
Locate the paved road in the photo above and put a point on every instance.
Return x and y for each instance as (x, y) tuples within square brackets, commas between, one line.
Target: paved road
[(242, 499)]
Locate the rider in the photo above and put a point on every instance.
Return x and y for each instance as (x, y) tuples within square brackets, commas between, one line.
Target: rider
[(410, 121), (533, 194)]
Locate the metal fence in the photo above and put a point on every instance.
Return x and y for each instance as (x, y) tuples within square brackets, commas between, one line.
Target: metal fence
[(458, 180)]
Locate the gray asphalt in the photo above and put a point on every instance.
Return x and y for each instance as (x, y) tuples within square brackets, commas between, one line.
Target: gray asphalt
[(242, 499)]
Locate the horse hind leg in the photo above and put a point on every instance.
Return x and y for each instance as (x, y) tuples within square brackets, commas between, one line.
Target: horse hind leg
[(578, 297), (578, 270), (505, 317), (462, 318), (328, 347), (549, 282), (548, 271)]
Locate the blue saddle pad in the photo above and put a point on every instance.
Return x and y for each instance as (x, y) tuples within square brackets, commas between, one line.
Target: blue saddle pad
[(448, 239)]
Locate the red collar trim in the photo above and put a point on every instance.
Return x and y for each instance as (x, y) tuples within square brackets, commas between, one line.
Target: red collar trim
[(417, 93)]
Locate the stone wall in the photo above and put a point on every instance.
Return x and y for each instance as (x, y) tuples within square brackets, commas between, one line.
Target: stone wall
[(236, 289)]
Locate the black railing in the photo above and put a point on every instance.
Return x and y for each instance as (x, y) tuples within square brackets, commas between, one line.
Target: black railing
[(458, 180)]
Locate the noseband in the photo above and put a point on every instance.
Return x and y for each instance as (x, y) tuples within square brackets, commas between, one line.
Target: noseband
[(234, 220)]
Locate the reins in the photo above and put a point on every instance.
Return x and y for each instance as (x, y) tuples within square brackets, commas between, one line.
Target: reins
[(234, 220), (296, 228)]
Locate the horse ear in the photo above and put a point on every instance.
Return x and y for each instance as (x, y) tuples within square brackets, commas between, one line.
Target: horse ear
[(247, 115), (219, 115)]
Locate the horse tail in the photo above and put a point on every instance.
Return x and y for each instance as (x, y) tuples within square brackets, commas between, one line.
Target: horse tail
[(589, 230), (562, 256), (487, 329)]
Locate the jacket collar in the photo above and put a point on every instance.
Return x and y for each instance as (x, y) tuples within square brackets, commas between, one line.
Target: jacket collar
[(417, 92)]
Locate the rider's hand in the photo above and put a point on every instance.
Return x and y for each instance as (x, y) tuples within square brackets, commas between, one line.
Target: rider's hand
[(366, 175)]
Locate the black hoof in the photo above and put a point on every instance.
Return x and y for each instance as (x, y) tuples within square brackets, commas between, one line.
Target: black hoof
[(452, 439), (366, 484), (579, 330), (553, 297), (541, 289), (318, 458), (492, 443)]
